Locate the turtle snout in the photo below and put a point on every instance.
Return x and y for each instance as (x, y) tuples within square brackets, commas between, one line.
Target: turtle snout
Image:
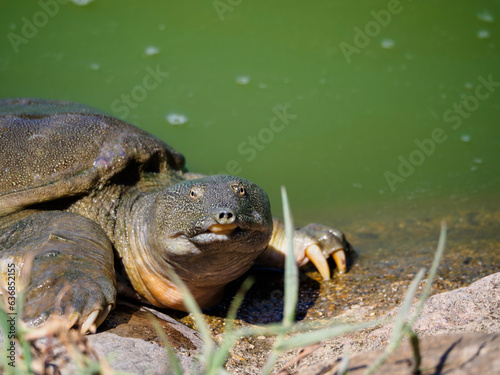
[(224, 216)]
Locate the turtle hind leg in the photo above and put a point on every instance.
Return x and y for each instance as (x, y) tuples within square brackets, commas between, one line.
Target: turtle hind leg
[(71, 277)]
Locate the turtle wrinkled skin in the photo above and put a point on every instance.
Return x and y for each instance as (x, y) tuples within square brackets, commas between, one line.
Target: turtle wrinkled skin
[(87, 199)]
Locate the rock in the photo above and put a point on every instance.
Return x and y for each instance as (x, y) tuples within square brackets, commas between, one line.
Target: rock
[(136, 356), (459, 333), (459, 354), (129, 320), (130, 343), (475, 308), (130, 355)]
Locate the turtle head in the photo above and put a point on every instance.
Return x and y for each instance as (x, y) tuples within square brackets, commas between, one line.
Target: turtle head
[(209, 231)]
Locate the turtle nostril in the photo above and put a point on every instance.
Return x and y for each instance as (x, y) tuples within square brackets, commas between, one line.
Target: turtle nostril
[(225, 217)]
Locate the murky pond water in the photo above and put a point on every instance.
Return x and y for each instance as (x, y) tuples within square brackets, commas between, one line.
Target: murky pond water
[(380, 117)]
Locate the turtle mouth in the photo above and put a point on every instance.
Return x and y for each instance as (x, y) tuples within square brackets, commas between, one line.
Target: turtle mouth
[(218, 232), (223, 229)]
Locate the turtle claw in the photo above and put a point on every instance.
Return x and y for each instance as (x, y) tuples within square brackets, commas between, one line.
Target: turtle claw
[(89, 323), (314, 242), (95, 319), (73, 319), (323, 242), (340, 260), (103, 315), (315, 255)]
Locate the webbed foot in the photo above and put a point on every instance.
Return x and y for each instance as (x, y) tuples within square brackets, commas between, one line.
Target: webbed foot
[(66, 268), (314, 242), (321, 242), (78, 298)]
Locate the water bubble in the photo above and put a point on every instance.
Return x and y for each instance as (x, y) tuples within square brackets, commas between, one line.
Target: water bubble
[(176, 119), (243, 80), (478, 160), (387, 43), (95, 66), (469, 85), (262, 85), (465, 138), (161, 26), (485, 16), (483, 34), (151, 50), (473, 168), (81, 2)]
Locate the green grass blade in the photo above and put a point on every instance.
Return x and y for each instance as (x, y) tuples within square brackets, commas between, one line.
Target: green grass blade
[(230, 337), (291, 284), (398, 331), (291, 269), (315, 336), (404, 311), (174, 361), (235, 305), (403, 321), (194, 309), (4, 327), (271, 360), (344, 363), (272, 329), (432, 272), (25, 345)]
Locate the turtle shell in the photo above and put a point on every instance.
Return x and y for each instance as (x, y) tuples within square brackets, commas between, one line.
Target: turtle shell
[(54, 149)]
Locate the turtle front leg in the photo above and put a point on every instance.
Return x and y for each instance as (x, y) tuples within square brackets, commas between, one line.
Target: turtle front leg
[(314, 242), (65, 267)]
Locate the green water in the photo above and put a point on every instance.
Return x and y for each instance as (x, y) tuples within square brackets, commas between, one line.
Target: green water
[(356, 105)]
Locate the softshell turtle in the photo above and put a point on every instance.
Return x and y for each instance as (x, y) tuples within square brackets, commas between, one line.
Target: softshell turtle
[(86, 199)]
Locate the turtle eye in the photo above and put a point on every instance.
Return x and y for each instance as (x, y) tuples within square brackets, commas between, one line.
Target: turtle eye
[(193, 194), (241, 190), (196, 192)]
